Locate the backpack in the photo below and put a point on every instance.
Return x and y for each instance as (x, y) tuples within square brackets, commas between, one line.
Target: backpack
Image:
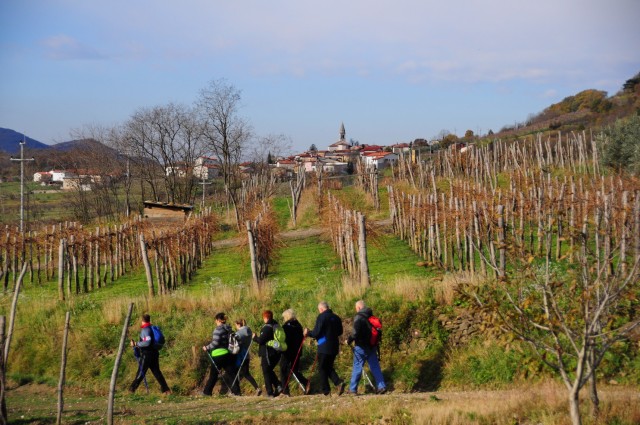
[(234, 343), (279, 341), (376, 331), (158, 337)]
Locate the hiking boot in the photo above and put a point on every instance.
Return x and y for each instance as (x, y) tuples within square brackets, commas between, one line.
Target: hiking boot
[(381, 391), (341, 388), (168, 392), (258, 392)]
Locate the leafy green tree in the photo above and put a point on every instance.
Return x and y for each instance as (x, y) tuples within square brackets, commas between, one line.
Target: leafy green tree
[(621, 145)]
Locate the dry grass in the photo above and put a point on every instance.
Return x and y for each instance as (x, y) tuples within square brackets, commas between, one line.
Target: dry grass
[(262, 292), (544, 404), (351, 289), (408, 288), (445, 289)]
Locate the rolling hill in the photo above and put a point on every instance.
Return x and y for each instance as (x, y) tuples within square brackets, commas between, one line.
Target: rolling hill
[(10, 142)]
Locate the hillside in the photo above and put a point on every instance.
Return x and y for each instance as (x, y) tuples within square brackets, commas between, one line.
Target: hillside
[(10, 142), (588, 109)]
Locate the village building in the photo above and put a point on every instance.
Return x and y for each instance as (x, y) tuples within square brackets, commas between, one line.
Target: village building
[(286, 163), (341, 144), (59, 175), (380, 159), (401, 148), (206, 168), (43, 177)]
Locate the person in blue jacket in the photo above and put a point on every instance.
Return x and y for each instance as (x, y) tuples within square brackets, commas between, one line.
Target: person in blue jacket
[(150, 357), (326, 332)]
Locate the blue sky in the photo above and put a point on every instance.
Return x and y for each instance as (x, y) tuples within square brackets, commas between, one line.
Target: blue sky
[(392, 71)]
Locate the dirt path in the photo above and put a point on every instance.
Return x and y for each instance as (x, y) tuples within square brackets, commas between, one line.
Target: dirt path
[(291, 235), (36, 404)]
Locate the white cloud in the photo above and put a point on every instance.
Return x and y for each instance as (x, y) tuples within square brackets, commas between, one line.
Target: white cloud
[(430, 40), (63, 47)]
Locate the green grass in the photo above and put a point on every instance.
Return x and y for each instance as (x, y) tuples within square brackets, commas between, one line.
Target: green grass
[(281, 209)]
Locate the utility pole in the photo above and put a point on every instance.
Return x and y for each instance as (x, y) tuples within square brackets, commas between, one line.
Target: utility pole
[(21, 161), (203, 183)]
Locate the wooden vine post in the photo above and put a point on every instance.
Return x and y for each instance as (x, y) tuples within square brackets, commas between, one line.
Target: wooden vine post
[(63, 366), (14, 307), (362, 251), (61, 251), (252, 251), (147, 265), (296, 192), (3, 405), (116, 366)]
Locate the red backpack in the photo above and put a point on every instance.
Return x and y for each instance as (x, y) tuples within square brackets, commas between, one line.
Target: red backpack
[(376, 331)]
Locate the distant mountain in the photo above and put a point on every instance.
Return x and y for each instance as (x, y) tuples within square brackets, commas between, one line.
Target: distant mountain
[(10, 142), (83, 145)]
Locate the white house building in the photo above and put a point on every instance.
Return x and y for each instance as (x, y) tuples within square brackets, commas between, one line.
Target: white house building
[(59, 175), (380, 160), (42, 177), (206, 168)]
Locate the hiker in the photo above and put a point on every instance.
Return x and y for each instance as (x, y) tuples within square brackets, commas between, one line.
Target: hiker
[(149, 357), (243, 358), (220, 357), (290, 362), (269, 357), (364, 350), (326, 332)]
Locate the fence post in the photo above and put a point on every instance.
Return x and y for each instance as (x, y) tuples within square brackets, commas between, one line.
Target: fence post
[(63, 366), (147, 265), (362, 247), (3, 405), (114, 374), (14, 307), (61, 251), (252, 251), (501, 241)]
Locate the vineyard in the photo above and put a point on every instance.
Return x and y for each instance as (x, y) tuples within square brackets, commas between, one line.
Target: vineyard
[(549, 236)]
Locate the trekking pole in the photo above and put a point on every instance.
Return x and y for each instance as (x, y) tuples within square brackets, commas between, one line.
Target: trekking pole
[(138, 356), (312, 369), (241, 364), (219, 372), (293, 366), (364, 373), (299, 383)]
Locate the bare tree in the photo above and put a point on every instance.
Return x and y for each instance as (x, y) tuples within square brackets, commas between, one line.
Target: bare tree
[(570, 317), (165, 141), (225, 131), (277, 145)]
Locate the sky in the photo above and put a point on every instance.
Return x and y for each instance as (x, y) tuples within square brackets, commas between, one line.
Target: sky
[(391, 71)]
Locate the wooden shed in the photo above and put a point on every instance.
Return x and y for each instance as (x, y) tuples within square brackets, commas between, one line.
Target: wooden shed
[(162, 212)]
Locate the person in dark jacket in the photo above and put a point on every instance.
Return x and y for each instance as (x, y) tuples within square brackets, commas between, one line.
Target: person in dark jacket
[(149, 357), (222, 358), (326, 331), (290, 361), (269, 357), (243, 358), (363, 351)]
